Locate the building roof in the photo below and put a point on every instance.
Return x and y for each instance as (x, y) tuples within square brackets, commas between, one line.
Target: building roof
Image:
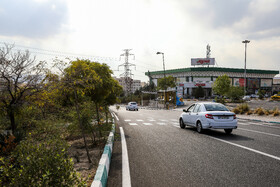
[(217, 69)]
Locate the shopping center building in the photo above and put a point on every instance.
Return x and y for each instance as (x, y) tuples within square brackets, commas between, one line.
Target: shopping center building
[(189, 79)]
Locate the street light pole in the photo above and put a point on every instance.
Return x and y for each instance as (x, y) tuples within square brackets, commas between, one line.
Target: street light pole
[(163, 75), (245, 42)]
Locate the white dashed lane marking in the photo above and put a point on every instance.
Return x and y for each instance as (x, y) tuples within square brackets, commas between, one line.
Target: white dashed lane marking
[(132, 124), (139, 120), (161, 123), (147, 124), (127, 120)]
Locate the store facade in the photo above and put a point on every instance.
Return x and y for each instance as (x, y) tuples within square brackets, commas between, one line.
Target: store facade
[(189, 79)]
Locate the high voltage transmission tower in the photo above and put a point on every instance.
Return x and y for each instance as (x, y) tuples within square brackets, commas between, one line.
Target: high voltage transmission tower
[(127, 75)]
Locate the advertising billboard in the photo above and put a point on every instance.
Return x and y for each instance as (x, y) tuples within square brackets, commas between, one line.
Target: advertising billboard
[(266, 82), (202, 61), (253, 83), (238, 82)]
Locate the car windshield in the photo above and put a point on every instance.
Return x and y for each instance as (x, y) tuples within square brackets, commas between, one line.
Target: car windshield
[(215, 107), (133, 103)]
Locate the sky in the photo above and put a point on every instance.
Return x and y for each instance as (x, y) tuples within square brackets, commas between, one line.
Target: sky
[(101, 29)]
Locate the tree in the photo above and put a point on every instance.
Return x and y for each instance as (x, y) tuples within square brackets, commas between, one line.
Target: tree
[(235, 93), (21, 76), (166, 82), (222, 85)]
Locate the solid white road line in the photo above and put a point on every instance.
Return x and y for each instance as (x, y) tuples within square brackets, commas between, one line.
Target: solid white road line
[(126, 182), (116, 116), (259, 132), (247, 148)]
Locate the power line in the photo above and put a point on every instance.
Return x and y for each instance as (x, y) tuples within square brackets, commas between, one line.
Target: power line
[(59, 53)]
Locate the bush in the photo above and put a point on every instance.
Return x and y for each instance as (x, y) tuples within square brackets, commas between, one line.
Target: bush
[(275, 112), (259, 111), (236, 110), (235, 93), (39, 164)]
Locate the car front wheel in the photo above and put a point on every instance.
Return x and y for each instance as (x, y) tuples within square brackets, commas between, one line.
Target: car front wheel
[(182, 125), (228, 131), (199, 127)]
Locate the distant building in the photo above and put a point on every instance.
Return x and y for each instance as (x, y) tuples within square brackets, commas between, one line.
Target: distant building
[(276, 85), (131, 86), (188, 79)]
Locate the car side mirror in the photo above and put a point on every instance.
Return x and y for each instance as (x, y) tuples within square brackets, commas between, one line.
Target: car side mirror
[(184, 110)]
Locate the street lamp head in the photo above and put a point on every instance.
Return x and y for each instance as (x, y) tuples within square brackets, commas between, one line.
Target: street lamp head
[(246, 41), (159, 53)]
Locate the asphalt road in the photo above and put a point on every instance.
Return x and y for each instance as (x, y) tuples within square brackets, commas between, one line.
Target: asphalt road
[(160, 153)]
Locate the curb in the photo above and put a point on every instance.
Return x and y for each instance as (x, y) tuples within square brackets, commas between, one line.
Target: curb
[(101, 176), (275, 122)]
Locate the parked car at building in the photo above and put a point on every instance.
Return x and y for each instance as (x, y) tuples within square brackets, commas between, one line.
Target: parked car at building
[(208, 116), (246, 98), (132, 106)]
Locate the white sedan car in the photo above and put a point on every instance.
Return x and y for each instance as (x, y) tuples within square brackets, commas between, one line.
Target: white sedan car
[(132, 106), (208, 116)]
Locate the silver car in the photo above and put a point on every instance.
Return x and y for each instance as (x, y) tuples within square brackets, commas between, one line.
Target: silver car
[(132, 106), (208, 116)]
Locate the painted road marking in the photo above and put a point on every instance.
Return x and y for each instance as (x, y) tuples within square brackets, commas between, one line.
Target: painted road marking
[(176, 126), (161, 123), (147, 124), (247, 148), (174, 120), (127, 120), (139, 120), (132, 124), (152, 120), (259, 132), (116, 116), (162, 120), (126, 182)]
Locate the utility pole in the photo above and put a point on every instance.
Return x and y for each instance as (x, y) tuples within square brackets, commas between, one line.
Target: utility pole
[(127, 75)]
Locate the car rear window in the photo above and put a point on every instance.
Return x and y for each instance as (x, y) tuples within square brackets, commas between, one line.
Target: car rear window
[(133, 103), (215, 107)]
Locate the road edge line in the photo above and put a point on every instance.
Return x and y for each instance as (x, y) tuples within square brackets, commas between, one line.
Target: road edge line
[(126, 181)]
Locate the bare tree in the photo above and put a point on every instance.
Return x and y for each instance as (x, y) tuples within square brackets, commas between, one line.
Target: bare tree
[(20, 76)]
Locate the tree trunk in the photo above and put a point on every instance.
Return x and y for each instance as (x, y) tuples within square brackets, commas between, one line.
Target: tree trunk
[(12, 119), (81, 126), (98, 120)]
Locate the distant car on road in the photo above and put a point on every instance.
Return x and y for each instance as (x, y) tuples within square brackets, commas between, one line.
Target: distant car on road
[(132, 106), (208, 116)]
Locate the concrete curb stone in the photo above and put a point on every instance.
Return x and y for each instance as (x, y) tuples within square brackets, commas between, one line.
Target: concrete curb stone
[(101, 176)]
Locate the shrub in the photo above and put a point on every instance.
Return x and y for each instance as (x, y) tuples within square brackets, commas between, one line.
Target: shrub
[(276, 112), (249, 112), (243, 108), (7, 144), (259, 111), (39, 164), (236, 110)]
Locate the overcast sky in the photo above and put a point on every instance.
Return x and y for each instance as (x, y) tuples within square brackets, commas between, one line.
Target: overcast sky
[(179, 28)]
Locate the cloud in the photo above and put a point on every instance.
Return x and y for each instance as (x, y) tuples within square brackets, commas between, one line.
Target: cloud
[(32, 19)]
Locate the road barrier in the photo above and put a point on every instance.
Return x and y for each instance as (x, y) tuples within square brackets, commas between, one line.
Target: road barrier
[(101, 175)]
